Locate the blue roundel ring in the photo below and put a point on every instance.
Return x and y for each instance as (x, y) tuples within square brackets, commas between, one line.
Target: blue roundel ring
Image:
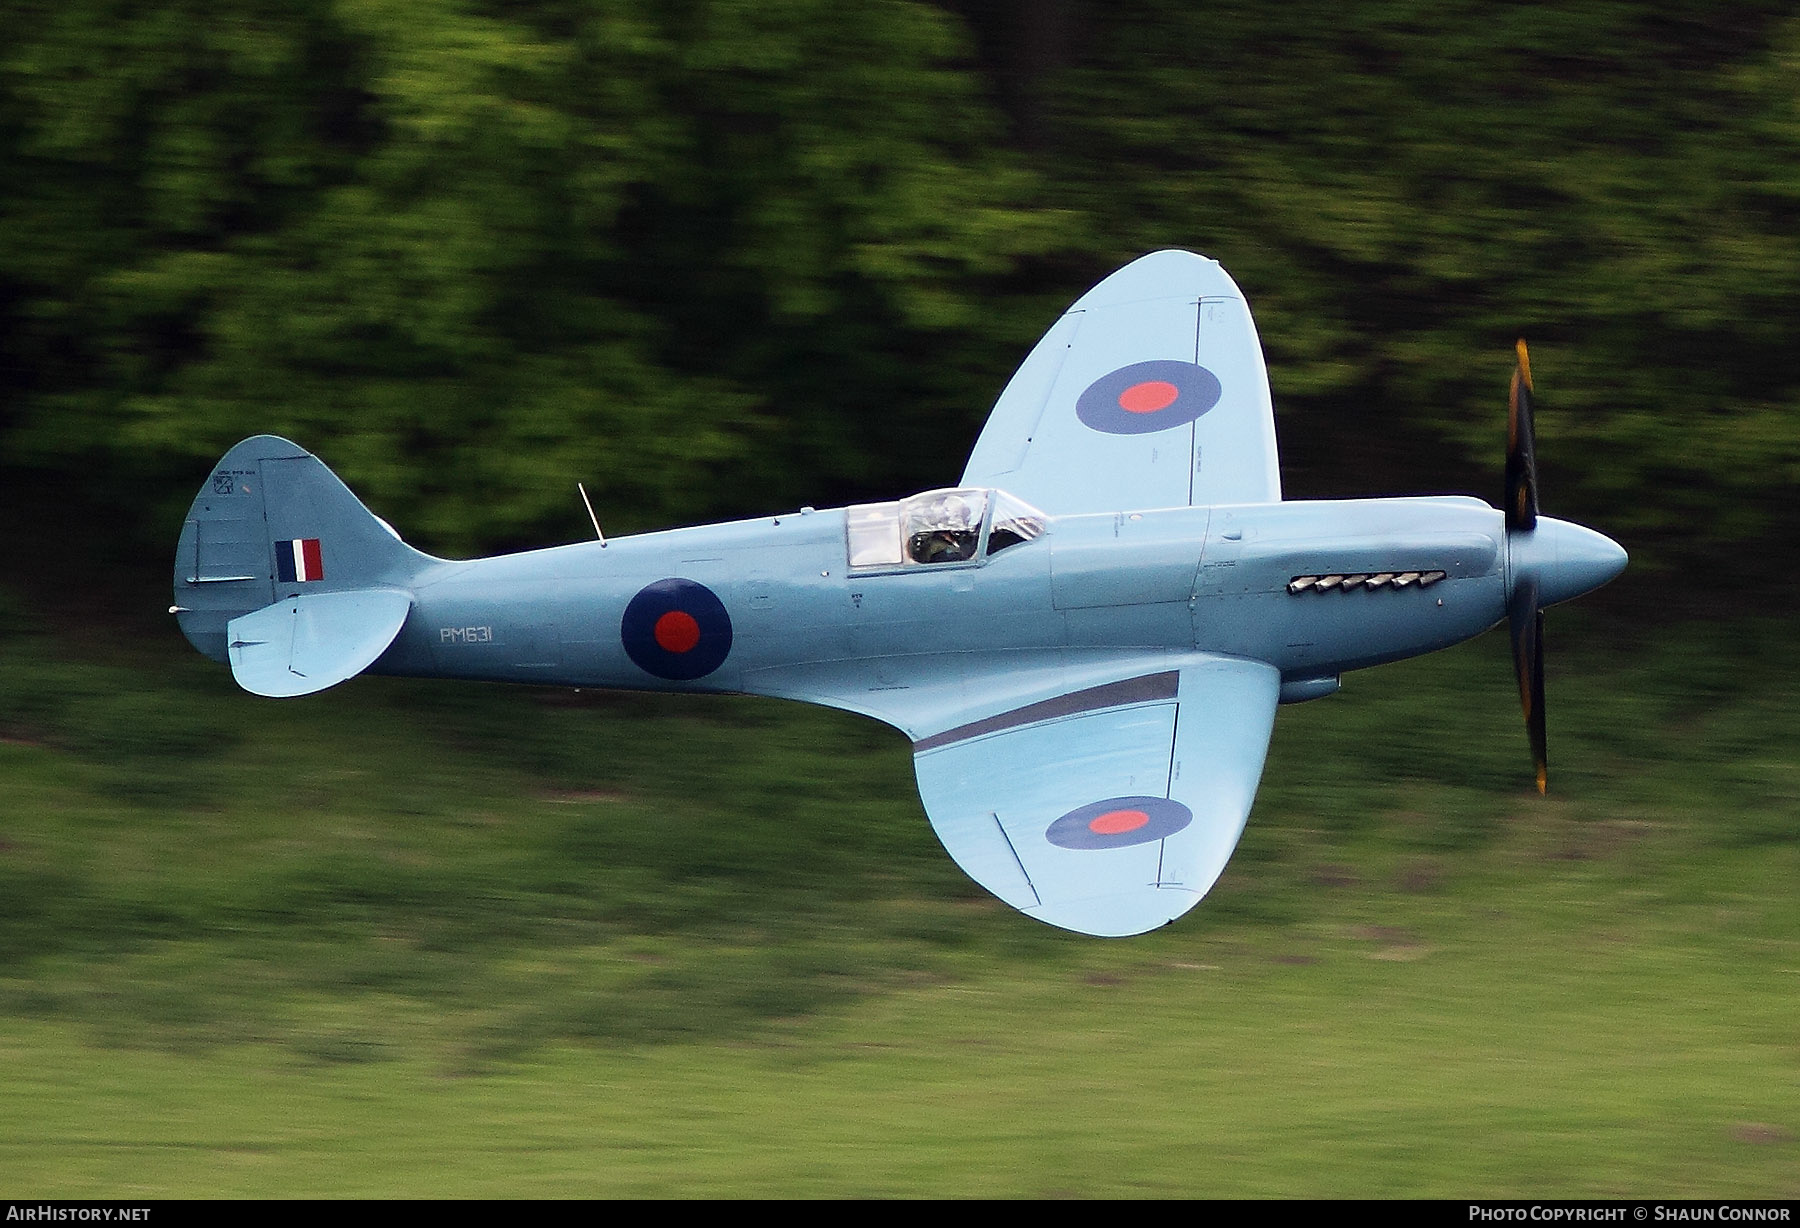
[(1148, 396), (676, 629), (1119, 822)]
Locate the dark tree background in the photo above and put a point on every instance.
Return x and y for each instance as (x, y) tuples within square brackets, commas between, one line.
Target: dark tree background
[(714, 257)]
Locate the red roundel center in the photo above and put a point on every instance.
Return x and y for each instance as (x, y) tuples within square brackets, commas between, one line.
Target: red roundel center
[(1116, 822), (1148, 397), (677, 631)]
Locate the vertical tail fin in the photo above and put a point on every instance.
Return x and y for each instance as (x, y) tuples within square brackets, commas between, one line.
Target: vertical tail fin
[(270, 523)]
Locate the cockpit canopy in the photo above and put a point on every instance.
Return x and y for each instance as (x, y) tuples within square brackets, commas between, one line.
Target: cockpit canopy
[(939, 527)]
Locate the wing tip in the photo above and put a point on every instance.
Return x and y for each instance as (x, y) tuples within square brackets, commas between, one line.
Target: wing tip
[(1118, 916), (1169, 273)]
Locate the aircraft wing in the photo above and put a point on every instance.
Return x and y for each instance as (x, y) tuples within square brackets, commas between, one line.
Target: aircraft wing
[(1110, 809), (1149, 392)]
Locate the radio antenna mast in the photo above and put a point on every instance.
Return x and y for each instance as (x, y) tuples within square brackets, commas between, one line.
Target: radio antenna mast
[(601, 537)]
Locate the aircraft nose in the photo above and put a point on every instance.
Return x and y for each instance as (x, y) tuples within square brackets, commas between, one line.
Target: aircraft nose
[(1567, 559)]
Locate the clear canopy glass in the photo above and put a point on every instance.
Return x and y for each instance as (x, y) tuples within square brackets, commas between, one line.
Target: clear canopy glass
[(939, 527)]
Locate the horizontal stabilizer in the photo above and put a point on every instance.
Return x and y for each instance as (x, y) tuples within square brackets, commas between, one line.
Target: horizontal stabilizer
[(313, 641)]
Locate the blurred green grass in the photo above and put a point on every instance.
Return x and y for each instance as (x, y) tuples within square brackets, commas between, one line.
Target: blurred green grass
[(414, 938)]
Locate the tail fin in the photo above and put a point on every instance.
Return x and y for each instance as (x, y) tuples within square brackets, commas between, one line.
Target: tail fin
[(273, 524)]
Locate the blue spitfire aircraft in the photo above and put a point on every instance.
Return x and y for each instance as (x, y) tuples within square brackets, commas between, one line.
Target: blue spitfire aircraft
[(1086, 640)]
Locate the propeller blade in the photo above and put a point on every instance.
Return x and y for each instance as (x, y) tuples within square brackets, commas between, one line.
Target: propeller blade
[(1526, 623), (1521, 450)]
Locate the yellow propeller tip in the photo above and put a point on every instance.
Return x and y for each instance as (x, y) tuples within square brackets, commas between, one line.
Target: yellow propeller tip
[(1543, 783), (1524, 362)]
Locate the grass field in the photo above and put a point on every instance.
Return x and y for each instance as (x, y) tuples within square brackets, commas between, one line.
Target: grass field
[(404, 939)]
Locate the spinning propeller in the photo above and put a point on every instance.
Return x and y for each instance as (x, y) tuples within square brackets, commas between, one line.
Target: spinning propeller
[(1548, 561)]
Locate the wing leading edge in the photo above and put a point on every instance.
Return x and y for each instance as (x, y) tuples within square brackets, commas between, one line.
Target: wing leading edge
[(1108, 810), (1150, 391)]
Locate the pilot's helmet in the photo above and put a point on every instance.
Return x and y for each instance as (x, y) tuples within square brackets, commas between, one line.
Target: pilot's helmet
[(953, 512)]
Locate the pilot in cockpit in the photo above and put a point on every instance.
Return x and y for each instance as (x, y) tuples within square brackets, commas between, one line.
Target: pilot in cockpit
[(947, 532)]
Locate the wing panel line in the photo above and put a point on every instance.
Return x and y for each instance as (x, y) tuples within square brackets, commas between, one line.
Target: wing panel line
[(1162, 846), (1037, 899), (1193, 427)]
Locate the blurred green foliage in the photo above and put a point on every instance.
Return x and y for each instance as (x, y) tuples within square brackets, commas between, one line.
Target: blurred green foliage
[(713, 256), (472, 255)]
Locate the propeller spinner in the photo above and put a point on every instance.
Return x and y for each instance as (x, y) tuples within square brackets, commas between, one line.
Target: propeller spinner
[(1548, 561)]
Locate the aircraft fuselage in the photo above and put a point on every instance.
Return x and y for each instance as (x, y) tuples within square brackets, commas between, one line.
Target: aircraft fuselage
[(1219, 579)]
